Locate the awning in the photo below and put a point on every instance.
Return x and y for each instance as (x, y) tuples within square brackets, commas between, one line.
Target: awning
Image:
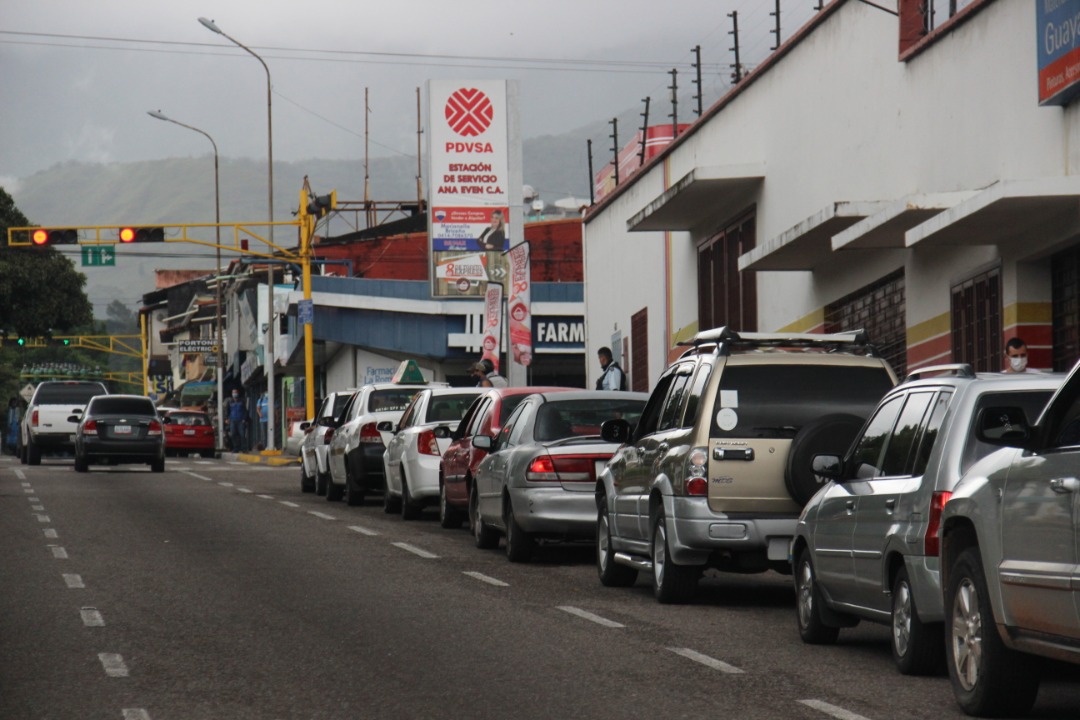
[(885, 229), (1004, 212), (805, 245), (705, 193)]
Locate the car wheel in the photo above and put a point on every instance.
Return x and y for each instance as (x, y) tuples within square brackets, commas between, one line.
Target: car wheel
[(306, 483), (611, 573), (354, 491), (519, 544), (81, 463), (486, 537), (918, 648), (208, 454), (409, 509), (334, 492), (987, 677), (22, 455), (321, 481), (33, 454), (808, 605), (158, 464), (390, 502), (449, 517), (671, 583)]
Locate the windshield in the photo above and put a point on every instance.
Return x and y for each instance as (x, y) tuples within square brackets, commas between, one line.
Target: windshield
[(558, 419)]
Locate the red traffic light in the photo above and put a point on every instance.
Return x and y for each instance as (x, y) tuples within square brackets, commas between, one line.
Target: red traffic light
[(141, 234), (54, 236), (127, 235), (40, 237)]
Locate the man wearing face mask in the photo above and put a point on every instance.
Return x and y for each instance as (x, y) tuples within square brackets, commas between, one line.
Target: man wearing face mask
[(237, 414), (1016, 354)]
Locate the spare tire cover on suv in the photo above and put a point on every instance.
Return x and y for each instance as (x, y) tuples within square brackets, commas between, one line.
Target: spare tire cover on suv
[(829, 434)]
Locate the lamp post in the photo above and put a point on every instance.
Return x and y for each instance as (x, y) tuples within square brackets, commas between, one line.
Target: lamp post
[(209, 24), (217, 219)]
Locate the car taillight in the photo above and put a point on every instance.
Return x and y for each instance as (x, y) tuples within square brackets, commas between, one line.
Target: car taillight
[(328, 436), (370, 434), (575, 468), (90, 427), (427, 444), (34, 418), (154, 429), (932, 539), (697, 472)]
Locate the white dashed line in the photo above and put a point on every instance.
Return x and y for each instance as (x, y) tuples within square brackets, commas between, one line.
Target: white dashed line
[(363, 530), (58, 552), (324, 516), (136, 714), (25, 484), (265, 497), (287, 503), (91, 617), (586, 615), (19, 474), (37, 508), (225, 484), (243, 490), (113, 664), (197, 476), (486, 578), (73, 581), (51, 534), (836, 712), (34, 499), (415, 550), (706, 660), (28, 491), (43, 518)]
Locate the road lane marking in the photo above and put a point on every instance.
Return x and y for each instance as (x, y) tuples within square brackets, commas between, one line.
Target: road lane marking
[(289, 504), (706, 660), (363, 530), (197, 476), (34, 499), (266, 497), (113, 664), (486, 578), (243, 490), (136, 714), (25, 484), (324, 516), (91, 617), (586, 615), (51, 533), (28, 491), (38, 508), (837, 712), (73, 581), (58, 552), (415, 550), (225, 484), (43, 518)]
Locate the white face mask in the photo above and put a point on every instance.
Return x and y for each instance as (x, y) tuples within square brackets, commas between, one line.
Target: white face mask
[(1018, 363)]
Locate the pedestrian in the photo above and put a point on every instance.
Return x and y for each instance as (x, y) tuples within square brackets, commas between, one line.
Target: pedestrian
[(237, 420), (264, 417), (1016, 353), (486, 375), (11, 429), (612, 377)]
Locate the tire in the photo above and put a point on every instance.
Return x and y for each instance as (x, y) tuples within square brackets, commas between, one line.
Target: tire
[(390, 504), (918, 648), (449, 517), (321, 481), (81, 463), (808, 605), (988, 679), (354, 491), (409, 509), (307, 484), (671, 583), (22, 455), (33, 454), (611, 573), (208, 454), (334, 492), (485, 537), (832, 434), (157, 465), (520, 545)]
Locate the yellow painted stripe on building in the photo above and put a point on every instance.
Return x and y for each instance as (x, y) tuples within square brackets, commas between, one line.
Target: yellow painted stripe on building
[(1029, 312), (927, 329), (806, 323)]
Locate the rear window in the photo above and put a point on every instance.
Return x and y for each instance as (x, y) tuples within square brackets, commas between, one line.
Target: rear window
[(63, 393), (775, 401), (1032, 401), (572, 418), (124, 406), (393, 400), (191, 419), (449, 407)]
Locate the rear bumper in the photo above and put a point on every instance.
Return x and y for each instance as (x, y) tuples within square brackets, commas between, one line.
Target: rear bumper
[(695, 532), (555, 511), (53, 441), (146, 449)]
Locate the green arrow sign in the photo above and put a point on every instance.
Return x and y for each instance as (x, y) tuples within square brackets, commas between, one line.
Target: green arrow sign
[(102, 256)]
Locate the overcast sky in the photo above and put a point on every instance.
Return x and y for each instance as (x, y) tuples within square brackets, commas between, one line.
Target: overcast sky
[(77, 77)]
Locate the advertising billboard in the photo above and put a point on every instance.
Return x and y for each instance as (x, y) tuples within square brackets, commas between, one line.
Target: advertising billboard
[(1057, 25)]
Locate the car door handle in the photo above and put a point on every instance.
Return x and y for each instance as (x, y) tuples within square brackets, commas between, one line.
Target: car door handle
[(1065, 485), (663, 447), (850, 505), (891, 503)]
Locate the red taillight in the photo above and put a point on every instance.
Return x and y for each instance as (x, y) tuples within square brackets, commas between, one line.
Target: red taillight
[(328, 436), (154, 429), (427, 444), (563, 468), (370, 434), (697, 486), (932, 540), (89, 427), (34, 418), (542, 469)]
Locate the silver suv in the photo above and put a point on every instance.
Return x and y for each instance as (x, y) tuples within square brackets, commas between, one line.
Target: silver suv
[(1009, 557), (867, 544), (717, 469)]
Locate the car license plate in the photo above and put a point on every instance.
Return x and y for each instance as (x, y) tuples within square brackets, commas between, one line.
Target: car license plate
[(122, 429), (189, 432)]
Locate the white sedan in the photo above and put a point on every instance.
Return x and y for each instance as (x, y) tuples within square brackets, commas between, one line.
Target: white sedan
[(413, 455)]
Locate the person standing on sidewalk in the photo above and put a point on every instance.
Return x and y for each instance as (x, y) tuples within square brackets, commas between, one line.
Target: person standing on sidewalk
[(264, 417), (237, 421)]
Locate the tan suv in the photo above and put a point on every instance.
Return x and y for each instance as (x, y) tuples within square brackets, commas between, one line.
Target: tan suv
[(718, 468)]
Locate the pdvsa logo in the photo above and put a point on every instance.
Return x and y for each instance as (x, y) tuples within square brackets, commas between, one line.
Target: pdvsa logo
[(469, 112)]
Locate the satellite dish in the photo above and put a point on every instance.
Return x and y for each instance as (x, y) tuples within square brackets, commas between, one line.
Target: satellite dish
[(529, 193)]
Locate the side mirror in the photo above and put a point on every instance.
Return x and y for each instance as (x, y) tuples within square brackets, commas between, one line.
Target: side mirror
[(1005, 426), (305, 425), (483, 442), (830, 467), (73, 418), (385, 426), (441, 431), (615, 431)]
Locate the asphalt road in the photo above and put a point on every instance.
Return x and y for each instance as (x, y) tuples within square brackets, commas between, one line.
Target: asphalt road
[(219, 590)]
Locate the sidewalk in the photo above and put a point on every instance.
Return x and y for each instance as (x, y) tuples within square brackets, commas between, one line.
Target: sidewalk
[(266, 457)]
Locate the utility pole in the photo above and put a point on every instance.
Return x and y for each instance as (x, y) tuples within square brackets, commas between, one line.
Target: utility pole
[(592, 182), (615, 146), (697, 77), (644, 133), (776, 26), (736, 75), (674, 88)]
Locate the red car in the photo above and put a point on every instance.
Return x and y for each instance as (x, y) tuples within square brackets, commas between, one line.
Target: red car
[(484, 417), (188, 431)]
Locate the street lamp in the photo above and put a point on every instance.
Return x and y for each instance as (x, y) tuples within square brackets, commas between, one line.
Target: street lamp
[(217, 219), (209, 24)]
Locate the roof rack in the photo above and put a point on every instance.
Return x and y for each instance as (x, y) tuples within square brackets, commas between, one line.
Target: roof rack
[(962, 370), (724, 339)]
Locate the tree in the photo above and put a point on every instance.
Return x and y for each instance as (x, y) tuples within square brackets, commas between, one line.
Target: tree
[(40, 290)]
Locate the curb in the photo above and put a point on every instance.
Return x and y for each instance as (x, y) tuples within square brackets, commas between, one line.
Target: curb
[(274, 460)]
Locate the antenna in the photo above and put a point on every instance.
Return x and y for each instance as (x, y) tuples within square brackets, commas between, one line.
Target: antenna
[(644, 133)]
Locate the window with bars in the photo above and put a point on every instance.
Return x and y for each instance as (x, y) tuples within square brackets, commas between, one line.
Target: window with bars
[(1065, 294), (727, 297), (880, 309), (976, 321), (639, 351)]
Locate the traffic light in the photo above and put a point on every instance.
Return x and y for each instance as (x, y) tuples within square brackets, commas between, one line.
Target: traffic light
[(141, 234), (55, 236), (21, 341)]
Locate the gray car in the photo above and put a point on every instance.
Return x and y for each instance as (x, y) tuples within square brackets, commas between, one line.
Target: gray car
[(538, 478), (867, 545)]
